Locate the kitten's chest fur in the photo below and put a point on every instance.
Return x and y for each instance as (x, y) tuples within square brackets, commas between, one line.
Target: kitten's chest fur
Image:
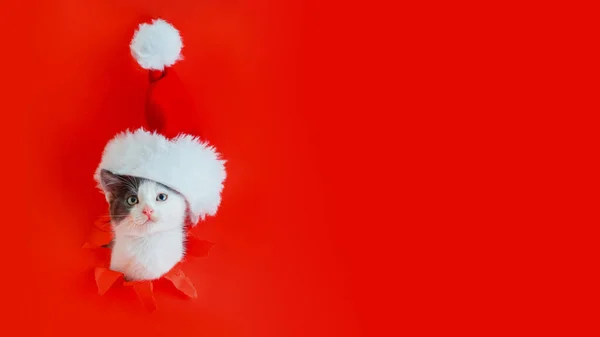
[(147, 257)]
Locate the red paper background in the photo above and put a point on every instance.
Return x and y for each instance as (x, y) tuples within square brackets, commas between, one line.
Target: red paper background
[(394, 169)]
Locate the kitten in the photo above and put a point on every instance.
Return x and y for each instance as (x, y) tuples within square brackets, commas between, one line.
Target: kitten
[(148, 222)]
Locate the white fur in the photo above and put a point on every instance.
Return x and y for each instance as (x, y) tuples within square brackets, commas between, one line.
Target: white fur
[(156, 45), (185, 164), (148, 247)]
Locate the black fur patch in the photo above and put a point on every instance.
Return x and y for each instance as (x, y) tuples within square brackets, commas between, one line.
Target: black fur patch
[(120, 188)]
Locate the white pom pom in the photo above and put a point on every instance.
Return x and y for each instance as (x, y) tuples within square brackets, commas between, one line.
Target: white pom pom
[(156, 45)]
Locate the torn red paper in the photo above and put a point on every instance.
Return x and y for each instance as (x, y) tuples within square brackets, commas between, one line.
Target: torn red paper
[(102, 235)]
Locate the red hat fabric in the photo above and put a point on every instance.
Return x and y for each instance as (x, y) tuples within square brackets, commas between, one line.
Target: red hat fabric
[(167, 149), (170, 110)]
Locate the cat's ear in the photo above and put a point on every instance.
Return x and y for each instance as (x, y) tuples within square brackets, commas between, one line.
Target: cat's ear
[(110, 183)]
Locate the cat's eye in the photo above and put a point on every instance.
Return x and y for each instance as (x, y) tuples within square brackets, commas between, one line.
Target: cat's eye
[(161, 197), (132, 200)]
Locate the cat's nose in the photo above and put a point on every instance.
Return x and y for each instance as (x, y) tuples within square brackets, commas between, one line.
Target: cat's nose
[(148, 211)]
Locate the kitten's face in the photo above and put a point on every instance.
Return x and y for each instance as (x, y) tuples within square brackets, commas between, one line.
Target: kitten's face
[(140, 206)]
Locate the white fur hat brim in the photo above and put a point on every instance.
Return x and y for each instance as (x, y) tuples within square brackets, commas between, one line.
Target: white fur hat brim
[(185, 164)]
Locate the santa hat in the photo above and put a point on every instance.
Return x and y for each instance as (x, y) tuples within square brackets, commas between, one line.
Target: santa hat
[(167, 150)]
